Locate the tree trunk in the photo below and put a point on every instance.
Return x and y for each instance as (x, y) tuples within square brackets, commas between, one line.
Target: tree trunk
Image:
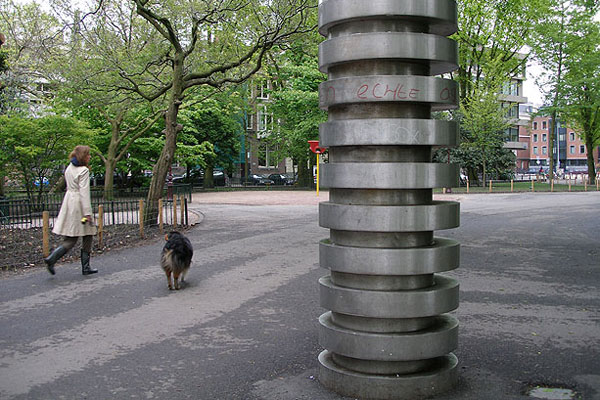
[(159, 173), (305, 178), (208, 182), (551, 147), (483, 169), (109, 173)]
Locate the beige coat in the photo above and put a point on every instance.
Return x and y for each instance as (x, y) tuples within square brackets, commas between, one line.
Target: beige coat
[(76, 204)]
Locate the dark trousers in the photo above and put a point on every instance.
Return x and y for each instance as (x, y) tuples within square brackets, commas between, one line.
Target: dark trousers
[(86, 244)]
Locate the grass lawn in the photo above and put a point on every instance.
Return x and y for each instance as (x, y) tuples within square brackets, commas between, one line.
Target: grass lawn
[(505, 187)]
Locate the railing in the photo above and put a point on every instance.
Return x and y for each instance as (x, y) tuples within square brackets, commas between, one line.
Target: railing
[(22, 214), (98, 193)]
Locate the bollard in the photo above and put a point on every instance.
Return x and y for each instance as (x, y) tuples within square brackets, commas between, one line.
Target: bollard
[(532, 186), (552, 185), (46, 233), (585, 185), (182, 208), (141, 218), (490, 186), (467, 186), (100, 224), (512, 185), (387, 334), (174, 212), (160, 216)]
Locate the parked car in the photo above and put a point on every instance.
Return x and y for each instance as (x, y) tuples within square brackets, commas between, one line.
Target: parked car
[(282, 179), (258, 180), (197, 177)]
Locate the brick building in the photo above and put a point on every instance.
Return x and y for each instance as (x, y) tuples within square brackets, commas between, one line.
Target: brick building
[(569, 152)]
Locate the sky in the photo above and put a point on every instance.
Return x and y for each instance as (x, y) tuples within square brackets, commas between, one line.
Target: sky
[(530, 89)]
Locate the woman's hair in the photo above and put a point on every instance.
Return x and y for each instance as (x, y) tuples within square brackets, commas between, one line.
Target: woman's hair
[(80, 153)]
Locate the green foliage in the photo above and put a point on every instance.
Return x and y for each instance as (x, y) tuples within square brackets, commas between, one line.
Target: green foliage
[(295, 103), (36, 148), (567, 45), (211, 131)]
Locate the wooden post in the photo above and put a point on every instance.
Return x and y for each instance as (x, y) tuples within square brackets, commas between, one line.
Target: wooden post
[(100, 224), (569, 184), (182, 207), (532, 186), (512, 185), (552, 185), (596, 183), (174, 211), (141, 218), (160, 215), (467, 186), (585, 184), (490, 186), (46, 234)]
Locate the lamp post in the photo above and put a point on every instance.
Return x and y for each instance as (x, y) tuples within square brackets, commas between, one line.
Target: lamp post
[(387, 334)]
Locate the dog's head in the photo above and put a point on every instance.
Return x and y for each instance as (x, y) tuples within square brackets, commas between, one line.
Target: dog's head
[(173, 235)]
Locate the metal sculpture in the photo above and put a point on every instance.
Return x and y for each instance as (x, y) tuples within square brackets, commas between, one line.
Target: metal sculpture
[(387, 334)]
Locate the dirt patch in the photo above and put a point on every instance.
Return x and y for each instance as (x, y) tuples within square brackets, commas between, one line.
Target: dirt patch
[(21, 249)]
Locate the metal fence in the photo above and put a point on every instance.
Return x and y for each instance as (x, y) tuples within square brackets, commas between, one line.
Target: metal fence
[(23, 214), (99, 194)]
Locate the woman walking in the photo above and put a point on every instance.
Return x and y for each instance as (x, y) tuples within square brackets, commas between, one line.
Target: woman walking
[(75, 217)]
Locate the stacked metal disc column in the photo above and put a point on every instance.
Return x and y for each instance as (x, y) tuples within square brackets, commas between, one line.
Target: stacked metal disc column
[(387, 334)]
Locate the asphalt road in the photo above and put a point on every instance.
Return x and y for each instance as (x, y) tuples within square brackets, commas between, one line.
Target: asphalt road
[(245, 324)]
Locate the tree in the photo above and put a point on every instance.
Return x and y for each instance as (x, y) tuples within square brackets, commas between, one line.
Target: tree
[(482, 125), (491, 35), (548, 45), (88, 69), (206, 44), (296, 107), (32, 38), (581, 84), (212, 128), (37, 149)]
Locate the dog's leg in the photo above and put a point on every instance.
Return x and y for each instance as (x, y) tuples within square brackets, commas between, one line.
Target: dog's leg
[(168, 272), (176, 280)]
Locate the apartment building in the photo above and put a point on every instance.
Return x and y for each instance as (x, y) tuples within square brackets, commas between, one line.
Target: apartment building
[(569, 151), (258, 155), (512, 99)]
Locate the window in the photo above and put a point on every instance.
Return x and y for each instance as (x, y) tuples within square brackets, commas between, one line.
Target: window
[(544, 137), (544, 125), (250, 122), (535, 137), (266, 156), (582, 149), (572, 136), (262, 90), (562, 137), (571, 149), (264, 120), (511, 135), (511, 88), (535, 125), (544, 150), (535, 150)]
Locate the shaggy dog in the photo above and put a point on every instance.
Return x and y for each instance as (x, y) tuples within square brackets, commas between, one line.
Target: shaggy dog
[(176, 258)]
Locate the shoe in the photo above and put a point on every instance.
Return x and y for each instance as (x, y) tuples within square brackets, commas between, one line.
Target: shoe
[(53, 258), (85, 264)]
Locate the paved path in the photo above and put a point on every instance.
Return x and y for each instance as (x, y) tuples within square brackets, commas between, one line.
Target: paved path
[(245, 325)]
